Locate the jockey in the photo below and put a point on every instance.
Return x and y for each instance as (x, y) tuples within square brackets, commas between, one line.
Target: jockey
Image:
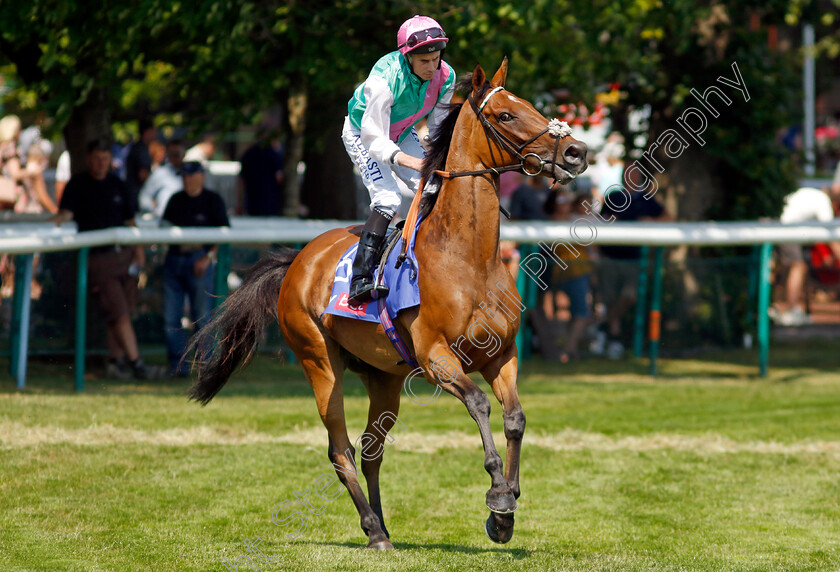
[(403, 87)]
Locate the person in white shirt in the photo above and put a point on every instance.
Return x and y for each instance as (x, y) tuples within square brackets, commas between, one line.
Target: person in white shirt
[(804, 205), (62, 174), (608, 170), (164, 181)]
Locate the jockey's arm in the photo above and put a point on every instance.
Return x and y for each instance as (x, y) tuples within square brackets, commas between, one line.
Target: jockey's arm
[(440, 111), (376, 121)]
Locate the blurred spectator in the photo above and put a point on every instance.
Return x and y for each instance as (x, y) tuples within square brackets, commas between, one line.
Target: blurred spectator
[(138, 161), (30, 137), (620, 265), (157, 153), (259, 190), (508, 181), (202, 151), (608, 168), (98, 199), (23, 186), (24, 179), (118, 155), (806, 204), (528, 199), (573, 280), (35, 199), (188, 269), (62, 174), (12, 171), (10, 190), (165, 181), (835, 184), (525, 201)]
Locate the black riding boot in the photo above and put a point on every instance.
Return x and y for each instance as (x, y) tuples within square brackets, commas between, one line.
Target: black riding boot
[(362, 287)]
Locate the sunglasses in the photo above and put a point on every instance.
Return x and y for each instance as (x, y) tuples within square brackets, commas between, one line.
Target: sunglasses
[(422, 36)]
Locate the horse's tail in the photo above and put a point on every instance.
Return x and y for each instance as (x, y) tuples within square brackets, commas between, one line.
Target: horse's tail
[(229, 339)]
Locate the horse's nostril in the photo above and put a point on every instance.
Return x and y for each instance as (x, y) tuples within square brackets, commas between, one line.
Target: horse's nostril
[(574, 153)]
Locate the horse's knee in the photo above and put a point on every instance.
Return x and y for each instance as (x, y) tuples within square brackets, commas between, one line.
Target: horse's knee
[(515, 424), (478, 404)]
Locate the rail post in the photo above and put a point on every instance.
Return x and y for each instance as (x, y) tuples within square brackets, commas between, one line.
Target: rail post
[(81, 316), (641, 296), (655, 319), (21, 311), (763, 319), (220, 284), (527, 291)]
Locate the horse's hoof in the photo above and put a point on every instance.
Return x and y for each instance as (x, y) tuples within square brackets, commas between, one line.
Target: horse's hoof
[(381, 545), (501, 503), (498, 529)]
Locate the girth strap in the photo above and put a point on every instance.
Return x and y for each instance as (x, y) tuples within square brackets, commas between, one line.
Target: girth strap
[(394, 335)]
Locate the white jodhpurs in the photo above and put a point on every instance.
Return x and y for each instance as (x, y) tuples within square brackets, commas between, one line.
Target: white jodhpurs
[(383, 180)]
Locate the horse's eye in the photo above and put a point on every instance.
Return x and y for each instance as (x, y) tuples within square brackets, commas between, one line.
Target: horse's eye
[(505, 116)]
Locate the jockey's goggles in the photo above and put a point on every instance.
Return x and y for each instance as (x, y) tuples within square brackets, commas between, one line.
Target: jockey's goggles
[(422, 36)]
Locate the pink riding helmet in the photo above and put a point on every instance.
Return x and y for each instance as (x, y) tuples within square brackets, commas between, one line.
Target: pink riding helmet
[(421, 35)]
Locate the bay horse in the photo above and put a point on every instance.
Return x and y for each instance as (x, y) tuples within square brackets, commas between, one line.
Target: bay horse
[(457, 252)]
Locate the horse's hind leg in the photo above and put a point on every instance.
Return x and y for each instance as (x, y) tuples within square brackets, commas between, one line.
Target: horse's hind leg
[(384, 391), (324, 368)]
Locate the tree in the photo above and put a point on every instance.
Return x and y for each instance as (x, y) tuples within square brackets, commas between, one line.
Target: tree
[(72, 55), (221, 62), (658, 51)]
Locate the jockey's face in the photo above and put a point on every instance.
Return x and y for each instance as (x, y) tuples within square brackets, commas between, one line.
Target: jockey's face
[(425, 65)]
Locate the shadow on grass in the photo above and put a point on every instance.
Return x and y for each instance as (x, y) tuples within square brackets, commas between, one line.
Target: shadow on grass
[(269, 377), (789, 361), (266, 377), (798, 357), (518, 553)]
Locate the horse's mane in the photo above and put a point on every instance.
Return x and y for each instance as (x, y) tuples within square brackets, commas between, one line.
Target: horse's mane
[(439, 149)]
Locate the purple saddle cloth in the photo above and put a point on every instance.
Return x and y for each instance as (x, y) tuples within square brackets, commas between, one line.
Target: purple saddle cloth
[(403, 283)]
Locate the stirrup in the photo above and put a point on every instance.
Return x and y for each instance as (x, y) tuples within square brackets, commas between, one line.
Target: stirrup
[(366, 293)]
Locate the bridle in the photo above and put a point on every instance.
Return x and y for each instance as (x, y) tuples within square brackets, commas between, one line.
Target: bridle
[(556, 128)]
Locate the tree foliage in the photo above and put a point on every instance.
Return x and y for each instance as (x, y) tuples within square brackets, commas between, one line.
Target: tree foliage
[(219, 63)]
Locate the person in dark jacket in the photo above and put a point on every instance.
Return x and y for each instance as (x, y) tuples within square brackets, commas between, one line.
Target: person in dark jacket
[(189, 269)]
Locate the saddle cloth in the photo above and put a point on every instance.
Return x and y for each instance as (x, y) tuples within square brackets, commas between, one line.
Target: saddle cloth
[(403, 281)]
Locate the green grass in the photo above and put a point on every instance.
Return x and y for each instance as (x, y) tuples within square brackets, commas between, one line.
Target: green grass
[(705, 468)]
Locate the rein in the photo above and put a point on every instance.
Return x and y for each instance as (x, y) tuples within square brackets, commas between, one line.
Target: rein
[(556, 128)]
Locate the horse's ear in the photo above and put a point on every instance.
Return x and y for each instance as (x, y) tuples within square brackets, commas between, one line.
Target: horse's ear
[(478, 78), (501, 75)]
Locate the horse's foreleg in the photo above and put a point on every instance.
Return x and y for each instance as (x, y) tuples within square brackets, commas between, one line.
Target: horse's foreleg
[(501, 375), (384, 392), (443, 369)]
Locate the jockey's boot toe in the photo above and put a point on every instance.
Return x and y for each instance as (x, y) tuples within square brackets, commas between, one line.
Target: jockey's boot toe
[(361, 291)]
